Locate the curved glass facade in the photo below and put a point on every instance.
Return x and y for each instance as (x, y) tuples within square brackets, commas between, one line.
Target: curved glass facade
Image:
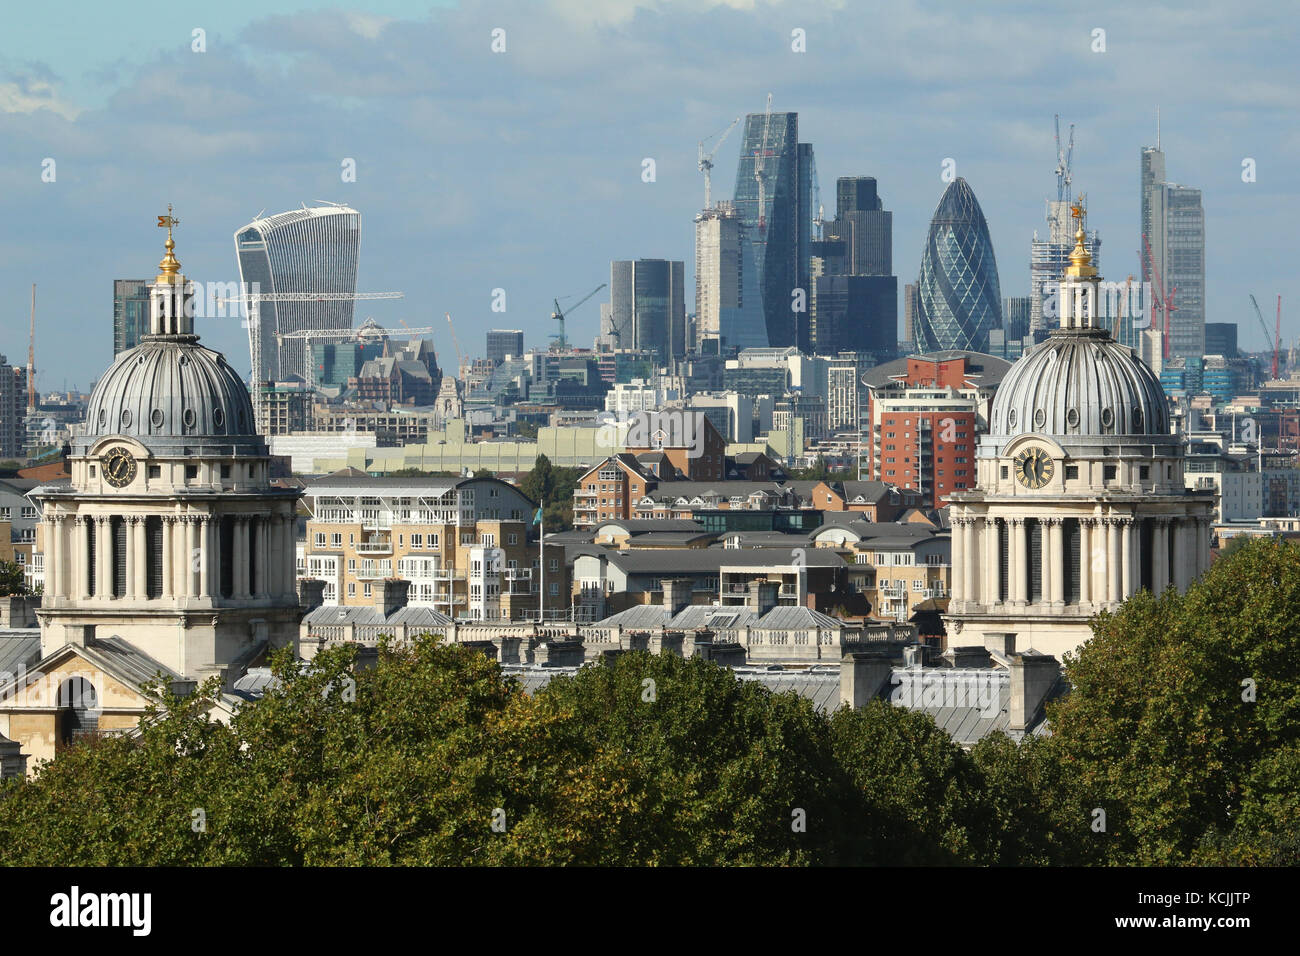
[(313, 249), (960, 299)]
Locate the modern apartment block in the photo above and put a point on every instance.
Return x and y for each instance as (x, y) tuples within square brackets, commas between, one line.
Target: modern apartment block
[(647, 306), (308, 250), (924, 413), (463, 544), (130, 313)]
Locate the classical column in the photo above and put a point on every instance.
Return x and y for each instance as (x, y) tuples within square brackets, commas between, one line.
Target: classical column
[(1085, 560), (167, 551), (239, 542), (961, 561), (103, 556), (1126, 557), (140, 545), (262, 528), (992, 581), (1056, 560), (1019, 570), (1160, 556), (193, 556), (206, 535), (128, 586), (1203, 545), (51, 556), (1184, 554), (81, 588), (1114, 586)]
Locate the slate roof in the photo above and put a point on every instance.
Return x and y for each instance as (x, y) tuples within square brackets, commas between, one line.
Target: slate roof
[(20, 650), (820, 685), (642, 525), (409, 615)]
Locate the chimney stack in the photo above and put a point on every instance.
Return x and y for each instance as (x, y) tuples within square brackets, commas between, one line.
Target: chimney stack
[(864, 675), (1032, 678), (311, 593), (762, 596), (390, 595), (677, 595)]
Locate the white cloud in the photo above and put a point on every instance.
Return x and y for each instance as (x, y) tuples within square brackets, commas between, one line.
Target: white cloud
[(32, 95)]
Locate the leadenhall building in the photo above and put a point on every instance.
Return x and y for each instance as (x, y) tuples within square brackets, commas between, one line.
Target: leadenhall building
[(169, 553), (1079, 499)]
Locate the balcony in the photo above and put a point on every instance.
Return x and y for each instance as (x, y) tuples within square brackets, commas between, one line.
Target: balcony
[(370, 570), (893, 594), (375, 546)]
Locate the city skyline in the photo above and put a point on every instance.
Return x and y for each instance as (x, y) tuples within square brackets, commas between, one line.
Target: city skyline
[(228, 157)]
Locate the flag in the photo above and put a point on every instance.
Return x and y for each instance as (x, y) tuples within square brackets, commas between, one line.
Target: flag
[(537, 518)]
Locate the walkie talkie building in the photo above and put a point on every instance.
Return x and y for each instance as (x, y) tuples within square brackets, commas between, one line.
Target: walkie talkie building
[(960, 299), (313, 249)]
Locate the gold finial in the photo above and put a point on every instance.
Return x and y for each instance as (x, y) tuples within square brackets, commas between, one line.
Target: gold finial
[(169, 265), (1080, 259)]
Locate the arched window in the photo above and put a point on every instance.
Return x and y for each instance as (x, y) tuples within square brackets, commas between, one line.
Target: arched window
[(78, 710)]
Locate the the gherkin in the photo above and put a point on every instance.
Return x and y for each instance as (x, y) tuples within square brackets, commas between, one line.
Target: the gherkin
[(960, 299)]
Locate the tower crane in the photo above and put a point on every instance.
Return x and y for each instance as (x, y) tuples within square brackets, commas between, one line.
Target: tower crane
[(1160, 299), (31, 356), (760, 169), (1275, 342), (706, 160), (460, 359), (559, 314), (1063, 158)]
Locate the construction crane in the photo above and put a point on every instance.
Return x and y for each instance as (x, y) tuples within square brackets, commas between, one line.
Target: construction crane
[(1160, 299), (31, 354), (1276, 342), (1063, 158), (252, 302), (706, 161), (369, 329), (559, 315), (760, 169), (460, 359)]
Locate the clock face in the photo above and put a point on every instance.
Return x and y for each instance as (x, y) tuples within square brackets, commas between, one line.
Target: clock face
[(1033, 468), (119, 467)]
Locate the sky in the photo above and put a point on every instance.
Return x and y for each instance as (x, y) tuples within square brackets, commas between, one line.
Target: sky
[(522, 170)]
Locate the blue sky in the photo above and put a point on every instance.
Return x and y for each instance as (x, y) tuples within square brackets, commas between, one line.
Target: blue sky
[(522, 170)]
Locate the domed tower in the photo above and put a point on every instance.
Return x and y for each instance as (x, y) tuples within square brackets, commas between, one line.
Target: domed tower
[(169, 537), (1079, 499)]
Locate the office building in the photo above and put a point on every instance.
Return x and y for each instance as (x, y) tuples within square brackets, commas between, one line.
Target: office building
[(773, 199), (724, 282), (854, 304), (13, 409), (911, 305), (503, 344), (308, 250), (130, 313), (1221, 339), (960, 297), (1173, 226), (647, 306)]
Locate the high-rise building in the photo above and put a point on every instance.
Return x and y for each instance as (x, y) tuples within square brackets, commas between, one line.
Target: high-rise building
[(960, 298), (647, 306), (313, 249), (504, 342), (1048, 260), (911, 305), (1173, 225), (13, 409), (723, 281), (778, 230), (854, 297), (1221, 339), (130, 313)]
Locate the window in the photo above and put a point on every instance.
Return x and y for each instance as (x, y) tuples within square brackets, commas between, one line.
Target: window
[(155, 471), (365, 591), (1071, 472), (512, 539), (1144, 472), (918, 586), (488, 540), (4, 514), (467, 538), (320, 539), (225, 471), (417, 541), (1110, 472), (29, 511), (191, 472), (554, 588), (1006, 472), (555, 564), (336, 539)]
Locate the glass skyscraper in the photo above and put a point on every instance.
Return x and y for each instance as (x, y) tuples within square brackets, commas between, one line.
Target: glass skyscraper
[(1173, 222), (960, 299), (647, 306), (776, 234), (313, 249), (130, 313)]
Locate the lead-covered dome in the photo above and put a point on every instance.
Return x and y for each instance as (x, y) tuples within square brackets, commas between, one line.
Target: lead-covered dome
[(170, 387), (1080, 382)]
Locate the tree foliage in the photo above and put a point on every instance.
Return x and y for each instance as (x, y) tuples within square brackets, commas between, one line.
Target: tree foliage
[(12, 579), (552, 488)]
